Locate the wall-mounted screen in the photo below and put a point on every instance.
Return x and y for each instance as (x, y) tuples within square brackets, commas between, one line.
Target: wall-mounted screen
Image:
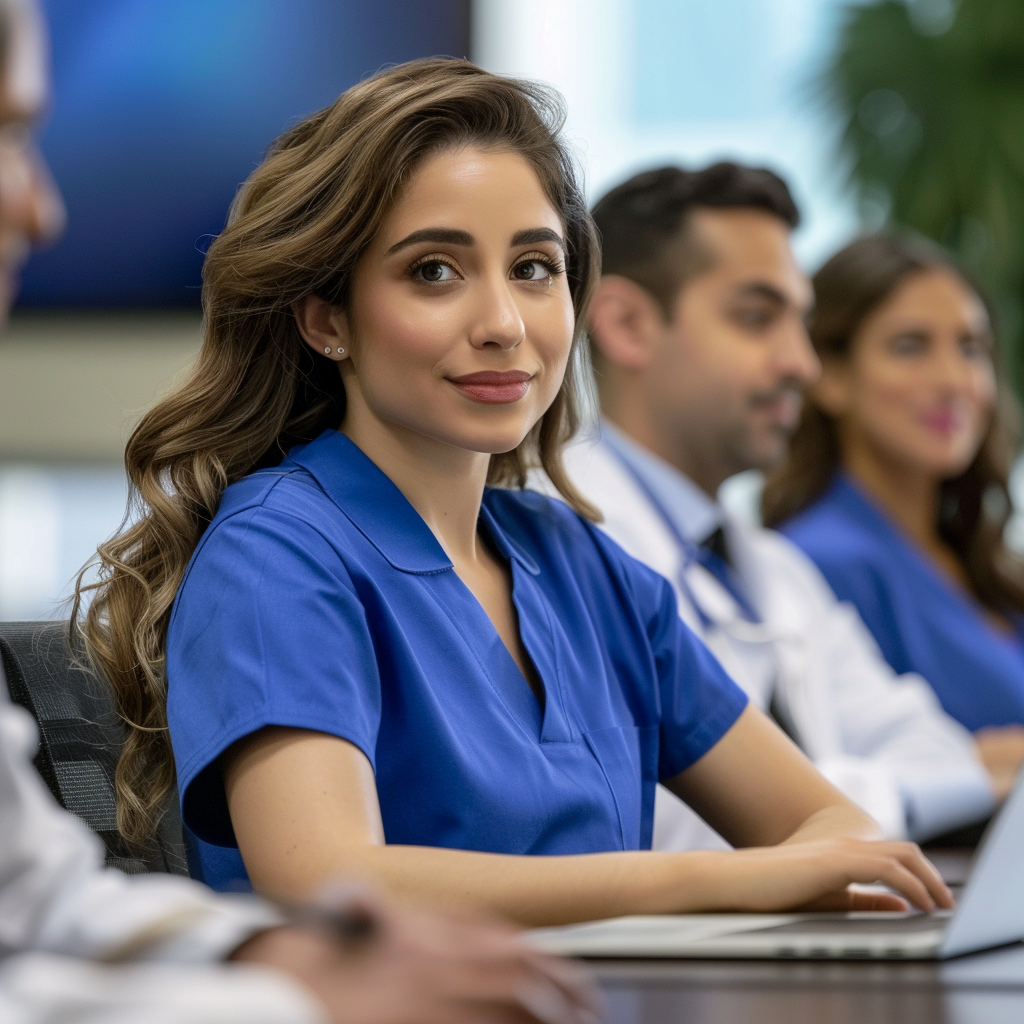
[(161, 109)]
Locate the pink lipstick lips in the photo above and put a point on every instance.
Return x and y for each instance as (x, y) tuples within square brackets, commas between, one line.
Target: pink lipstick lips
[(494, 387), (944, 422)]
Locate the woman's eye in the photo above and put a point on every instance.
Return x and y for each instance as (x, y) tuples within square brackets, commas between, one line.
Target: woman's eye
[(531, 270), (435, 272), (975, 348), (908, 345)]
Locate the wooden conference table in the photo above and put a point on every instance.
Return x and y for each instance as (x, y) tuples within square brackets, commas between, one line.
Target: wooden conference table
[(984, 988)]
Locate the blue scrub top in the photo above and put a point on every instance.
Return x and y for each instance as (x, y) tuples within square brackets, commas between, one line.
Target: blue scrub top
[(319, 599), (923, 622)]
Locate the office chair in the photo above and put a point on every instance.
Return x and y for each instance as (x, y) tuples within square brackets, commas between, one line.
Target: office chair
[(80, 738)]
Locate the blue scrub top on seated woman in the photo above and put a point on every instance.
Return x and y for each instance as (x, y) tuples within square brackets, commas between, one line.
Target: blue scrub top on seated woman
[(922, 621), (319, 599)]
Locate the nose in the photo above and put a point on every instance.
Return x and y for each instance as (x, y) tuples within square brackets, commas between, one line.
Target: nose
[(498, 324), (795, 358), (950, 370), (46, 214), (31, 209)]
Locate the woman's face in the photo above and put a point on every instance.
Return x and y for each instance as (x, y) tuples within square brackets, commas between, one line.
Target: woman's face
[(919, 385), (461, 322)]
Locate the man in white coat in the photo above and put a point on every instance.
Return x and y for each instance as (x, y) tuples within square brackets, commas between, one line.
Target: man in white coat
[(80, 943), (700, 352)]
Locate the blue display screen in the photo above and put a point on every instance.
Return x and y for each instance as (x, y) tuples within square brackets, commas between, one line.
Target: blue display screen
[(161, 109)]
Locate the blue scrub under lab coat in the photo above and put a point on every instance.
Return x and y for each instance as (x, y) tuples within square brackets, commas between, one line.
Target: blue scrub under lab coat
[(319, 599), (922, 621)]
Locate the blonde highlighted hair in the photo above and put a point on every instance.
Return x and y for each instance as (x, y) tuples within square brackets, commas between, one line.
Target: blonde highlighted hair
[(298, 227)]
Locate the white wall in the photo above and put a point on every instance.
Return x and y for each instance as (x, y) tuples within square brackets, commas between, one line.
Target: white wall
[(71, 388), (685, 81)]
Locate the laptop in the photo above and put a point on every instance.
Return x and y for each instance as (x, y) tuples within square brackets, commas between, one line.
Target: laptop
[(990, 913)]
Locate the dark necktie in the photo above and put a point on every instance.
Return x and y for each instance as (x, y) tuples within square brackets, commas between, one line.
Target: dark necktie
[(713, 554)]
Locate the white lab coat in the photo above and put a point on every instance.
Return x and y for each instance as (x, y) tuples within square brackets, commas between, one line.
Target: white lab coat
[(880, 738), (62, 912)]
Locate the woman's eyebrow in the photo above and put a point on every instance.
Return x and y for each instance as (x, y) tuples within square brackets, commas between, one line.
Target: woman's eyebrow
[(443, 236), (533, 235), (454, 236)]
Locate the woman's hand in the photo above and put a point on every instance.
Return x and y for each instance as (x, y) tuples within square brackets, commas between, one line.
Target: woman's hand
[(807, 843), (413, 967), (817, 875)]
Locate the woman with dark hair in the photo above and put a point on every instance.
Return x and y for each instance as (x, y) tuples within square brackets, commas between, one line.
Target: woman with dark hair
[(896, 481), (381, 656)]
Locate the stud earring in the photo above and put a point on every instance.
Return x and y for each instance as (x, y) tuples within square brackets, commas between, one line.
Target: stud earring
[(341, 351), (327, 351)]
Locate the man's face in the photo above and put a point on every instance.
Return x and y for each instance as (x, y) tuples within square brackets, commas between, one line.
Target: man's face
[(725, 379), (31, 211)]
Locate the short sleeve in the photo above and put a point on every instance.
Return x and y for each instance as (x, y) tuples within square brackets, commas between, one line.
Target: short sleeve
[(698, 701), (267, 629)]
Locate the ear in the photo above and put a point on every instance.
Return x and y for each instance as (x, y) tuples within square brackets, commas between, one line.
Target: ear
[(323, 327), (625, 322), (832, 390)]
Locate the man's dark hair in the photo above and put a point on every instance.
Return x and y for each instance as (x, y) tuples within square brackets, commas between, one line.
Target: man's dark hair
[(643, 221)]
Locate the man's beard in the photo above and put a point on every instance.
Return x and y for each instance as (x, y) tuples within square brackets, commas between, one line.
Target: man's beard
[(749, 451)]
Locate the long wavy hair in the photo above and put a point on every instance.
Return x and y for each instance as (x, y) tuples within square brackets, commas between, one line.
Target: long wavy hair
[(974, 506), (298, 227)]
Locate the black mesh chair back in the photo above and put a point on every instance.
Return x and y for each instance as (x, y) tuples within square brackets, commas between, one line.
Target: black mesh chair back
[(80, 738)]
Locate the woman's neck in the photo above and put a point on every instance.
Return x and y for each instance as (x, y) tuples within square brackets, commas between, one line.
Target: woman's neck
[(909, 497), (445, 484), (912, 501)]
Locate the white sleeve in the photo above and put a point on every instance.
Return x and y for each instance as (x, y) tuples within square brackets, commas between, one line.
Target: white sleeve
[(56, 896), (44, 989), (893, 726), (882, 739)]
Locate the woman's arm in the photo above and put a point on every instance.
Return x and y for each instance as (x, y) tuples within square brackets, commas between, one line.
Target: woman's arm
[(304, 809), (756, 788)]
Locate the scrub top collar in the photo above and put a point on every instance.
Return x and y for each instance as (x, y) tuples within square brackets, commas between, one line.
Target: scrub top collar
[(382, 513), (859, 504), (694, 515)]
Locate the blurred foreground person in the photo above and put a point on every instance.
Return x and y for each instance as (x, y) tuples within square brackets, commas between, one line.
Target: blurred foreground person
[(701, 356), (896, 483), (79, 942)]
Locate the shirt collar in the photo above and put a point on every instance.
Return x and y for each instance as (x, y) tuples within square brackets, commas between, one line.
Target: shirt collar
[(845, 493), (507, 548), (682, 502), (381, 512)]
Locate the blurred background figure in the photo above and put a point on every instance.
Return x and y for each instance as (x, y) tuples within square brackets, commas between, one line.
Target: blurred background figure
[(896, 480)]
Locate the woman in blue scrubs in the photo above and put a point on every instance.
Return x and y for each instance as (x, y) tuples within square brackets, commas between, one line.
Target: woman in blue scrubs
[(383, 657), (896, 484)]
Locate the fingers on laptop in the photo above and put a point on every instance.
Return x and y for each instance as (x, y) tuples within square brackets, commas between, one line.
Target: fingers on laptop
[(852, 899), (816, 875), (900, 866)]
